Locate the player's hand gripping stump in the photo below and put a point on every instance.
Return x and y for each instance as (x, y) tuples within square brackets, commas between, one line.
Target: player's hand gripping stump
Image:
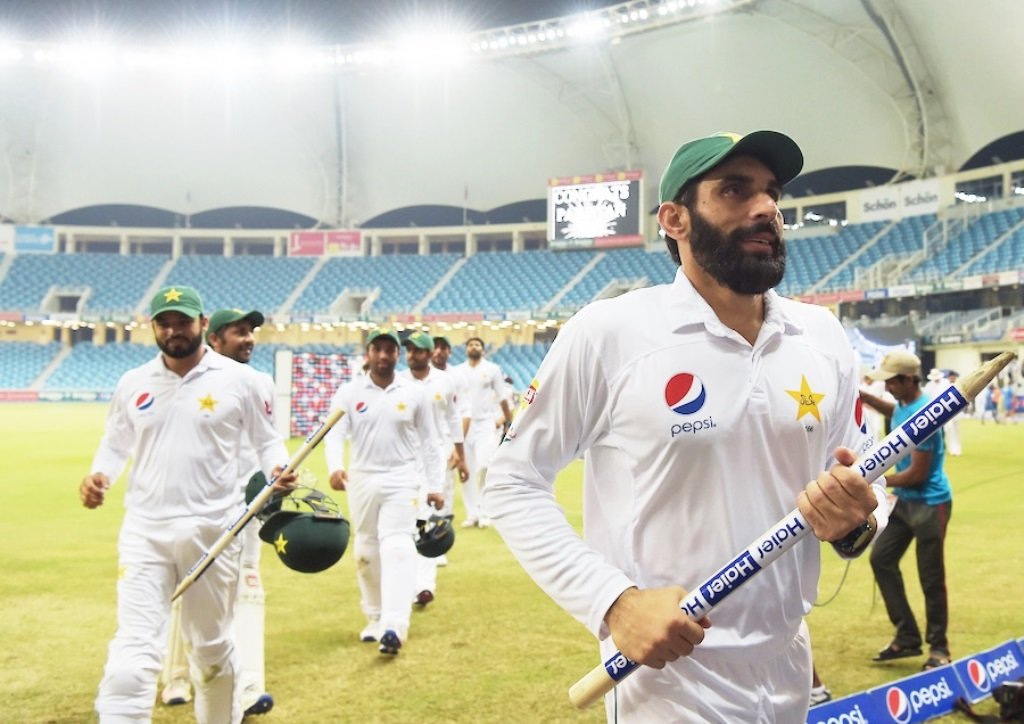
[(785, 534), (254, 507)]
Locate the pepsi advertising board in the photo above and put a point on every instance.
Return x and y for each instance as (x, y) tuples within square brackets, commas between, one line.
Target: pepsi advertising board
[(856, 709), (983, 672), (917, 698)]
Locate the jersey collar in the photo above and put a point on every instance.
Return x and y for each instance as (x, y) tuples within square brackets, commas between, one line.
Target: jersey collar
[(689, 309)]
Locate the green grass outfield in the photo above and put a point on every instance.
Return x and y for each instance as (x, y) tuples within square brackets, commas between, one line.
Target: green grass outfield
[(491, 648)]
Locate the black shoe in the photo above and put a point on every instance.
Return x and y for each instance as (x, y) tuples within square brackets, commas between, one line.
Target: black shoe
[(894, 651), (390, 643), (935, 660), (262, 705)]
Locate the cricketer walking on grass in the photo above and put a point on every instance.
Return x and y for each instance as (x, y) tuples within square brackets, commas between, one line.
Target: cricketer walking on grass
[(183, 418), (230, 333), (702, 408)]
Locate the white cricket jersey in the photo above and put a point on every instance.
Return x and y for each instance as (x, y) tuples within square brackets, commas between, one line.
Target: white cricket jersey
[(483, 387), (441, 396), (443, 404), (696, 443), (248, 460), (387, 428), (186, 435)]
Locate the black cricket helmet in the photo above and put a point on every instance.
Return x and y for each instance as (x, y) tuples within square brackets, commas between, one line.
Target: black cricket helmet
[(434, 536), (308, 531)]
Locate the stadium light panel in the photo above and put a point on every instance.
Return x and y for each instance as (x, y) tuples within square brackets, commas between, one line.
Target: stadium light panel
[(440, 47)]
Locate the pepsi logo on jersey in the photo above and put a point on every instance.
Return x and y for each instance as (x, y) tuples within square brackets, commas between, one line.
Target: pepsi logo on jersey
[(685, 395)]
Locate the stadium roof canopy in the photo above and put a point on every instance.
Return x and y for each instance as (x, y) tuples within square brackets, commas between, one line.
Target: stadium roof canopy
[(908, 88)]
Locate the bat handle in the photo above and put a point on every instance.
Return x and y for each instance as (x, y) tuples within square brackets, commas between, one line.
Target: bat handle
[(594, 685)]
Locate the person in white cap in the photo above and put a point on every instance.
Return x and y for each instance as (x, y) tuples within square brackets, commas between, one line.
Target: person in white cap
[(924, 503), (706, 410), (184, 418), (936, 383)]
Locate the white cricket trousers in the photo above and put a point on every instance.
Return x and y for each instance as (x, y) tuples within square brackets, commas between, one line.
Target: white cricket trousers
[(383, 508), (249, 618), (154, 555), (711, 687), (480, 445)]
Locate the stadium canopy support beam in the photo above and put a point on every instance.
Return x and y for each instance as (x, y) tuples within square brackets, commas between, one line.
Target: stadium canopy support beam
[(895, 63), (616, 130)]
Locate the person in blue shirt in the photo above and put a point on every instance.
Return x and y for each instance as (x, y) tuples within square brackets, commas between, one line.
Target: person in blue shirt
[(924, 502)]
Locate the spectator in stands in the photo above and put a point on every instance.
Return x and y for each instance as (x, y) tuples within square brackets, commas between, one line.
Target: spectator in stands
[(184, 418), (682, 398), (924, 502), (393, 445), (483, 384)]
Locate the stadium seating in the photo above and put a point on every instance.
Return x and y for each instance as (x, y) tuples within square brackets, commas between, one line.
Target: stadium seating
[(962, 246), (520, 362), (403, 282), (539, 282), (117, 282), (810, 259), (503, 281), (1009, 254), (247, 282), (22, 362), (97, 367), (625, 264)]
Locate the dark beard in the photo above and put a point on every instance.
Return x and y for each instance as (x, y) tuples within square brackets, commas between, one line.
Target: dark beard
[(181, 352), (724, 259)]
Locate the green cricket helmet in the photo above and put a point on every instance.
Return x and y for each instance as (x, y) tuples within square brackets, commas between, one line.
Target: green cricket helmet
[(254, 487), (308, 532), (434, 536)]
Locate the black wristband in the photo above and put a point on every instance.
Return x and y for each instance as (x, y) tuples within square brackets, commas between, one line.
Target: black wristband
[(856, 540)]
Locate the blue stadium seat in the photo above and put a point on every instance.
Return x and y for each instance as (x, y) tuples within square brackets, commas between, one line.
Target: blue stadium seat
[(117, 283), (22, 362)]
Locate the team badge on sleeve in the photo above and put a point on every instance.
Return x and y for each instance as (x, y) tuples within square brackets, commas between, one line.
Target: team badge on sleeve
[(859, 417), (531, 393)]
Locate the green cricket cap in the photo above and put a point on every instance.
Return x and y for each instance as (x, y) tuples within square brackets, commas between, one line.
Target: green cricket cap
[(420, 340), (177, 299), (694, 158), (441, 339), (223, 317), (384, 332)]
